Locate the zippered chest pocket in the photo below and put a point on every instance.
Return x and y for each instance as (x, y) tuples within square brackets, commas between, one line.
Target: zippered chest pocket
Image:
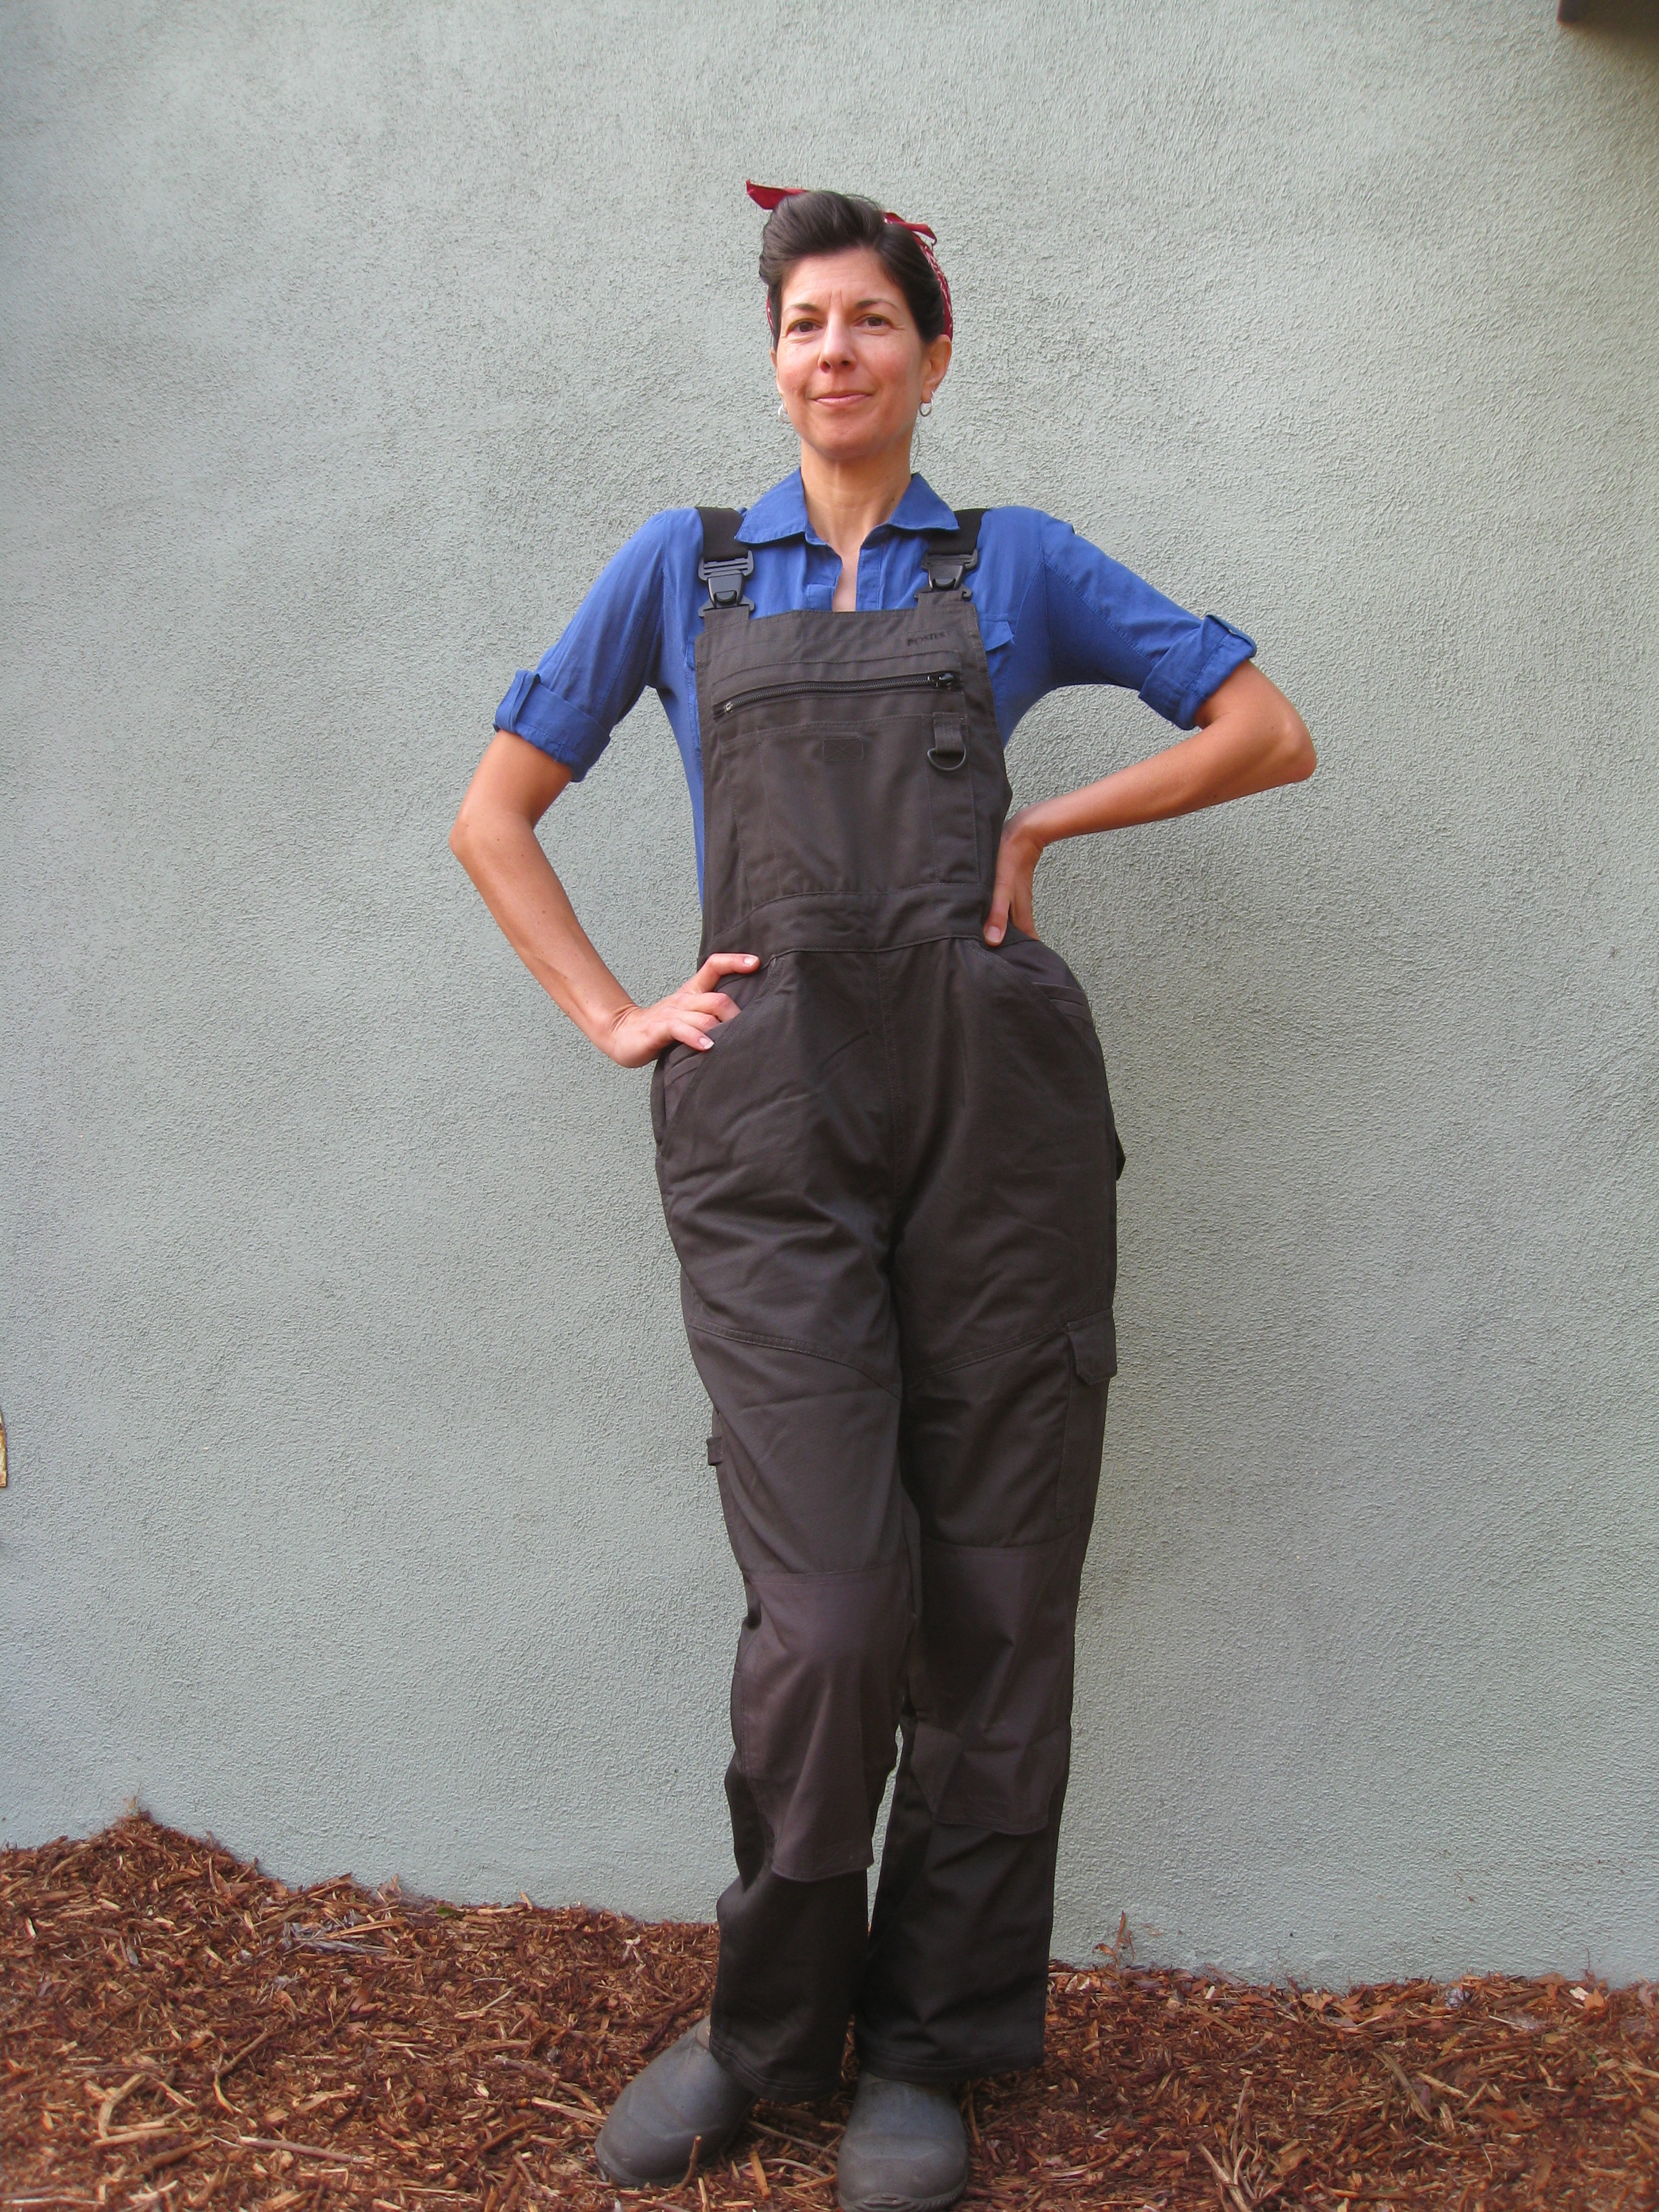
[(844, 785)]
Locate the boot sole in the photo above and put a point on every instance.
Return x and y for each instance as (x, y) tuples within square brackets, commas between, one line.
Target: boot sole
[(902, 2203)]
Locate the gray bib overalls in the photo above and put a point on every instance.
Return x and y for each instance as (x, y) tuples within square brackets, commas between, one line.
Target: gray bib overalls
[(890, 1187)]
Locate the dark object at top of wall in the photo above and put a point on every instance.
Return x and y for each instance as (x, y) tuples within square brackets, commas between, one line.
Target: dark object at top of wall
[(1637, 17)]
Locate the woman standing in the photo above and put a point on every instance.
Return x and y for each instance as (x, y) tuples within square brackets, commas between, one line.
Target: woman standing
[(887, 1162)]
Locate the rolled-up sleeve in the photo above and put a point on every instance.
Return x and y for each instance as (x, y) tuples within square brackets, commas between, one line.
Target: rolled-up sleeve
[(1107, 625), (569, 703)]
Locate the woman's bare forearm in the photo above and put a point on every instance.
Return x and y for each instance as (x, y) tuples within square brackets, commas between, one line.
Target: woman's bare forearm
[(1253, 741), (494, 841), (1250, 738), (518, 883)]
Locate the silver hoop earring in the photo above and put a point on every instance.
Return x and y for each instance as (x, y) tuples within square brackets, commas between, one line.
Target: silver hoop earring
[(783, 412), (925, 408)]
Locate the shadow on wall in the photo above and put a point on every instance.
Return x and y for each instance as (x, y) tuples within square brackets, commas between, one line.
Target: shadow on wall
[(1624, 19)]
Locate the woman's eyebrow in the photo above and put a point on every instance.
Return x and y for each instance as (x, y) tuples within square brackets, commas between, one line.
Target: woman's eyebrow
[(816, 307)]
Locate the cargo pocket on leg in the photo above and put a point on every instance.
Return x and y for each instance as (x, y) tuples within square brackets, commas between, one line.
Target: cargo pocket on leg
[(1093, 1344)]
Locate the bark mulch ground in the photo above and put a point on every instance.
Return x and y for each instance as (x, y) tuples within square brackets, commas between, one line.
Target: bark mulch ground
[(178, 2029)]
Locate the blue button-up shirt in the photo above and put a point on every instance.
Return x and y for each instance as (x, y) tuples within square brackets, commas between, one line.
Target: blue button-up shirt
[(1052, 609)]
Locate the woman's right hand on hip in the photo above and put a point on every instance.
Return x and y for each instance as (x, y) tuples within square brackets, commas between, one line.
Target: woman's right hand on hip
[(636, 1035)]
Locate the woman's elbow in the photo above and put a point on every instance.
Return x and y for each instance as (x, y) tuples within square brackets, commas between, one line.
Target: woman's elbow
[(464, 834), (1297, 751), (1293, 748)]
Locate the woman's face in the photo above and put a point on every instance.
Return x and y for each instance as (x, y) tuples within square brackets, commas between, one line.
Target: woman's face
[(852, 368)]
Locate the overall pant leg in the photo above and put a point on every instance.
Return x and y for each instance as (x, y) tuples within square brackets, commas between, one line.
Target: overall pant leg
[(774, 1154), (1003, 1272)]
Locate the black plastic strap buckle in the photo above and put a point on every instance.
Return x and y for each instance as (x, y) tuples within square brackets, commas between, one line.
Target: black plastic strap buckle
[(946, 569), (724, 580)]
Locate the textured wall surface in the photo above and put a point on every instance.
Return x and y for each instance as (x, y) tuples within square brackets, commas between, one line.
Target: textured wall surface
[(358, 1509)]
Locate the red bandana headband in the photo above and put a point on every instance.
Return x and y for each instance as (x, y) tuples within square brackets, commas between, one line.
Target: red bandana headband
[(769, 196)]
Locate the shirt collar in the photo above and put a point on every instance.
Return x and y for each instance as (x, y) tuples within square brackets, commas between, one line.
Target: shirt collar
[(781, 512)]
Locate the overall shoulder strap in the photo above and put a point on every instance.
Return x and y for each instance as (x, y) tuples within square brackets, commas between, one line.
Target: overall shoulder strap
[(725, 563), (949, 554)]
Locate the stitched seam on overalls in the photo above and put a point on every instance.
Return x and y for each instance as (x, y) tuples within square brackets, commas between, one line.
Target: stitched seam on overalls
[(1014, 1344), (797, 1576), (1059, 1545), (896, 1155), (793, 1343), (868, 899), (860, 952)]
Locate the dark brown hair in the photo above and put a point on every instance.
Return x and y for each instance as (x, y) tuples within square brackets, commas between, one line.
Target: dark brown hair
[(811, 223)]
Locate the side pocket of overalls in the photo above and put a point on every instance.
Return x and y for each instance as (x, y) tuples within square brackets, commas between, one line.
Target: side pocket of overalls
[(1093, 1345), (674, 1067)]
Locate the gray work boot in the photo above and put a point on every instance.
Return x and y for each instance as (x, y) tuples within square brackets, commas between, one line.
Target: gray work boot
[(904, 2150), (684, 2097)]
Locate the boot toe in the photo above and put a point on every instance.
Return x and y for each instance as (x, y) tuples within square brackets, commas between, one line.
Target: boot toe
[(904, 2150), (682, 2098)]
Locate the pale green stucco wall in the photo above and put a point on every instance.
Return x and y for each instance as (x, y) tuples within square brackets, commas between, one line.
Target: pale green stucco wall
[(358, 1509)]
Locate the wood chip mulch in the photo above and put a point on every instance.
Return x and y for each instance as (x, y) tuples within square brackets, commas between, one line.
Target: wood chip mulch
[(177, 2029)]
